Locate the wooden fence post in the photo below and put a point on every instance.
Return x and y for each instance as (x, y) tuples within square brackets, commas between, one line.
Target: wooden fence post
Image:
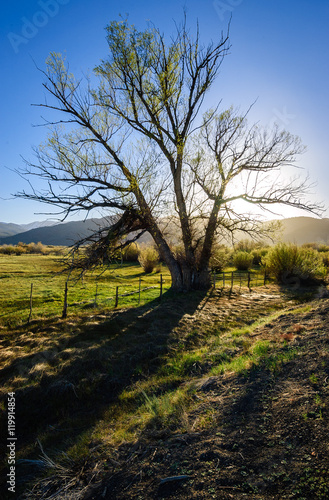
[(30, 315), (116, 297), (232, 280), (139, 291), (160, 286), (223, 280), (249, 280), (265, 276), (96, 295), (214, 279), (64, 313)]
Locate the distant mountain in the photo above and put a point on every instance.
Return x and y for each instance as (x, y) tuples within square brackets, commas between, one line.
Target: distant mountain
[(301, 230), (64, 234), (9, 229), (297, 230), (36, 224)]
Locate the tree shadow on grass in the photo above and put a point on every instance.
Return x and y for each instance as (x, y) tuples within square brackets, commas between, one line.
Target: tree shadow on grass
[(302, 292), (77, 373), (265, 438)]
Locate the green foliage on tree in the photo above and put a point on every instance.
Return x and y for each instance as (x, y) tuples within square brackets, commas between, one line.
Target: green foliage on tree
[(137, 143)]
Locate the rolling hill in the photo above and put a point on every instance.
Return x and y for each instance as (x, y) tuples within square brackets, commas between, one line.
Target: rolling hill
[(64, 234), (301, 230), (297, 230), (8, 229)]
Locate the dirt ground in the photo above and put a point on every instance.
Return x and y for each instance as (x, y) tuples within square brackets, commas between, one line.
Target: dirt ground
[(268, 434), (264, 433)]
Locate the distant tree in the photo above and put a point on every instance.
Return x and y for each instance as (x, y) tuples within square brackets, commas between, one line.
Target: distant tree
[(136, 146)]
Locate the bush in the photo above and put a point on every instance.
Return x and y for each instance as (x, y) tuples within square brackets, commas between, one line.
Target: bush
[(131, 253), (323, 248), (148, 259), (325, 259), (320, 247), (286, 261), (258, 255), (37, 248), (31, 248), (219, 259), (242, 260), (246, 245), (12, 250)]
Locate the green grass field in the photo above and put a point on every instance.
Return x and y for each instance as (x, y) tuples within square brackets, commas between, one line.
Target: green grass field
[(17, 273), (97, 290)]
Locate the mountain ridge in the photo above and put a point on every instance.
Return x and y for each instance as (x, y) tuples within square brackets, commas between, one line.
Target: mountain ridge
[(297, 230), (63, 234)]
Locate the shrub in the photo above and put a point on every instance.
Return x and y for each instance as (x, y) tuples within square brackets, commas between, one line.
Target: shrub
[(325, 259), (148, 259), (323, 248), (246, 245), (31, 248), (287, 260), (131, 252), (219, 259), (12, 250), (258, 255), (37, 248), (242, 260)]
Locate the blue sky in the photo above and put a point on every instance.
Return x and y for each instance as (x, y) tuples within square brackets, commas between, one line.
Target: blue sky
[(279, 56)]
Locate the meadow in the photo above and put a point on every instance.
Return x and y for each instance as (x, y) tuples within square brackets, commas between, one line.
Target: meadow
[(111, 402), (96, 290), (17, 273)]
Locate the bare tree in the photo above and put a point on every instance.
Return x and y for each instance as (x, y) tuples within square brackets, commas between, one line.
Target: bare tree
[(136, 145)]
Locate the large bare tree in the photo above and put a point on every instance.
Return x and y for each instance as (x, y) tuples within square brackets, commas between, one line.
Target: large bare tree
[(132, 141)]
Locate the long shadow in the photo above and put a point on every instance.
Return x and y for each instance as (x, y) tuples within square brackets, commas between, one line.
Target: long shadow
[(247, 441), (91, 368), (302, 291)]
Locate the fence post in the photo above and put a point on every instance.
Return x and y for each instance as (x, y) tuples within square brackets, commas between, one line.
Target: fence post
[(64, 313), (249, 280), (116, 297), (265, 276), (232, 280), (139, 291), (30, 315), (96, 294), (214, 279), (160, 286), (223, 280)]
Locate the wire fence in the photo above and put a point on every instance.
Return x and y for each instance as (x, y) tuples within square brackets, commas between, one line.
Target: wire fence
[(239, 278), (141, 290)]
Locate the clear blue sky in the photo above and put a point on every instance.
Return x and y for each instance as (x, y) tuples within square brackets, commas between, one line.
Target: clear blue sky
[(279, 55)]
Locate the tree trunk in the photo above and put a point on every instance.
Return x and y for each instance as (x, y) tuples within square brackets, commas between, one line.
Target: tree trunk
[(186, 278)]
